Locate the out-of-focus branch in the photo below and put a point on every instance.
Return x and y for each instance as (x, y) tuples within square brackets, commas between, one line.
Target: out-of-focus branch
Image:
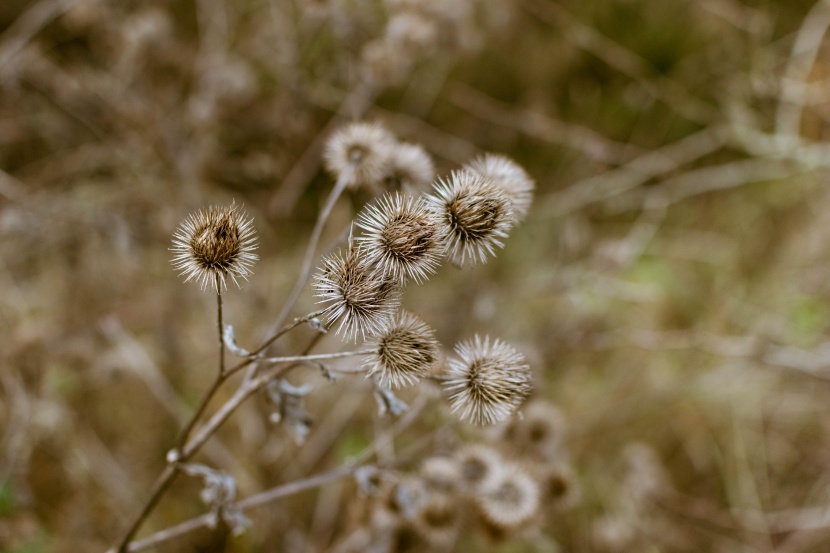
[(670, 92), (799, 64), (634, 173), (583, 139)]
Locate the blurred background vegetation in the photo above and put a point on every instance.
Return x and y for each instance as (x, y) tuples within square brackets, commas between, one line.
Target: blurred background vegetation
[(670, 285)]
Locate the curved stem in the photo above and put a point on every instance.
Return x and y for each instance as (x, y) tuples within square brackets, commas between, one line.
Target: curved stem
[(311, 248), (169, 473), (186, 448), (318, 357), (286, 328), (159, 487), (248, 387), (219, 328), (290, 488), (267, 496)]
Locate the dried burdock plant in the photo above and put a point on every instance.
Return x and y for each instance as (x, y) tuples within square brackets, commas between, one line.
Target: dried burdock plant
[(404, 352), (401, 238), (474, 216), (213, 244), (357, 153), (362, 298), (488, 381), (408, 169), (510, 499), (510, 177)]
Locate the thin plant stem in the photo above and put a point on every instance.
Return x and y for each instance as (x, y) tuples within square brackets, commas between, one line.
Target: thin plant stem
[(246, 389), (219, 327), (256, 500), (159, 487), (285, 329), (291, 488), (184, 449), (318, 357), (220, 378), (250, 385), (311, 249)]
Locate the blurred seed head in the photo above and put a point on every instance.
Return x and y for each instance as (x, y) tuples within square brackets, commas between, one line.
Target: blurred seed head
[(488, 381), (614, 533), (362, 298), (405, 351), (441, 475), (510, 177), (510, 500), (540, 432), (412, 30), (361, 148), (385, 63), (213, 244), (646, 477), (405, 497), (401, 238), (473, 214), (558, 485), (437, 520), (409, 169), (477, 464)]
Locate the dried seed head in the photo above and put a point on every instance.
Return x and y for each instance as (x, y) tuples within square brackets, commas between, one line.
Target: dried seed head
[(437, 520), (409, 169), (405, 351), (510, 177), (473, 214), (478, 464), (401, 238), (510, 500), (362, 298), (488, 381), (405, 497), (358, 150), (540, 432), (559, 487), (213, 244), (441, 474), (384, 62)]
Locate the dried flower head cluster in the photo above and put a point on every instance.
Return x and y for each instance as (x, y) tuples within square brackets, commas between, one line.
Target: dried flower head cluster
[(357, 152), (510, 177), (367, 155), (415, 29), (488, 381), (401, 237), (404, 351), (473, 214), (357, 294), (213, 244), (480, 485)]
